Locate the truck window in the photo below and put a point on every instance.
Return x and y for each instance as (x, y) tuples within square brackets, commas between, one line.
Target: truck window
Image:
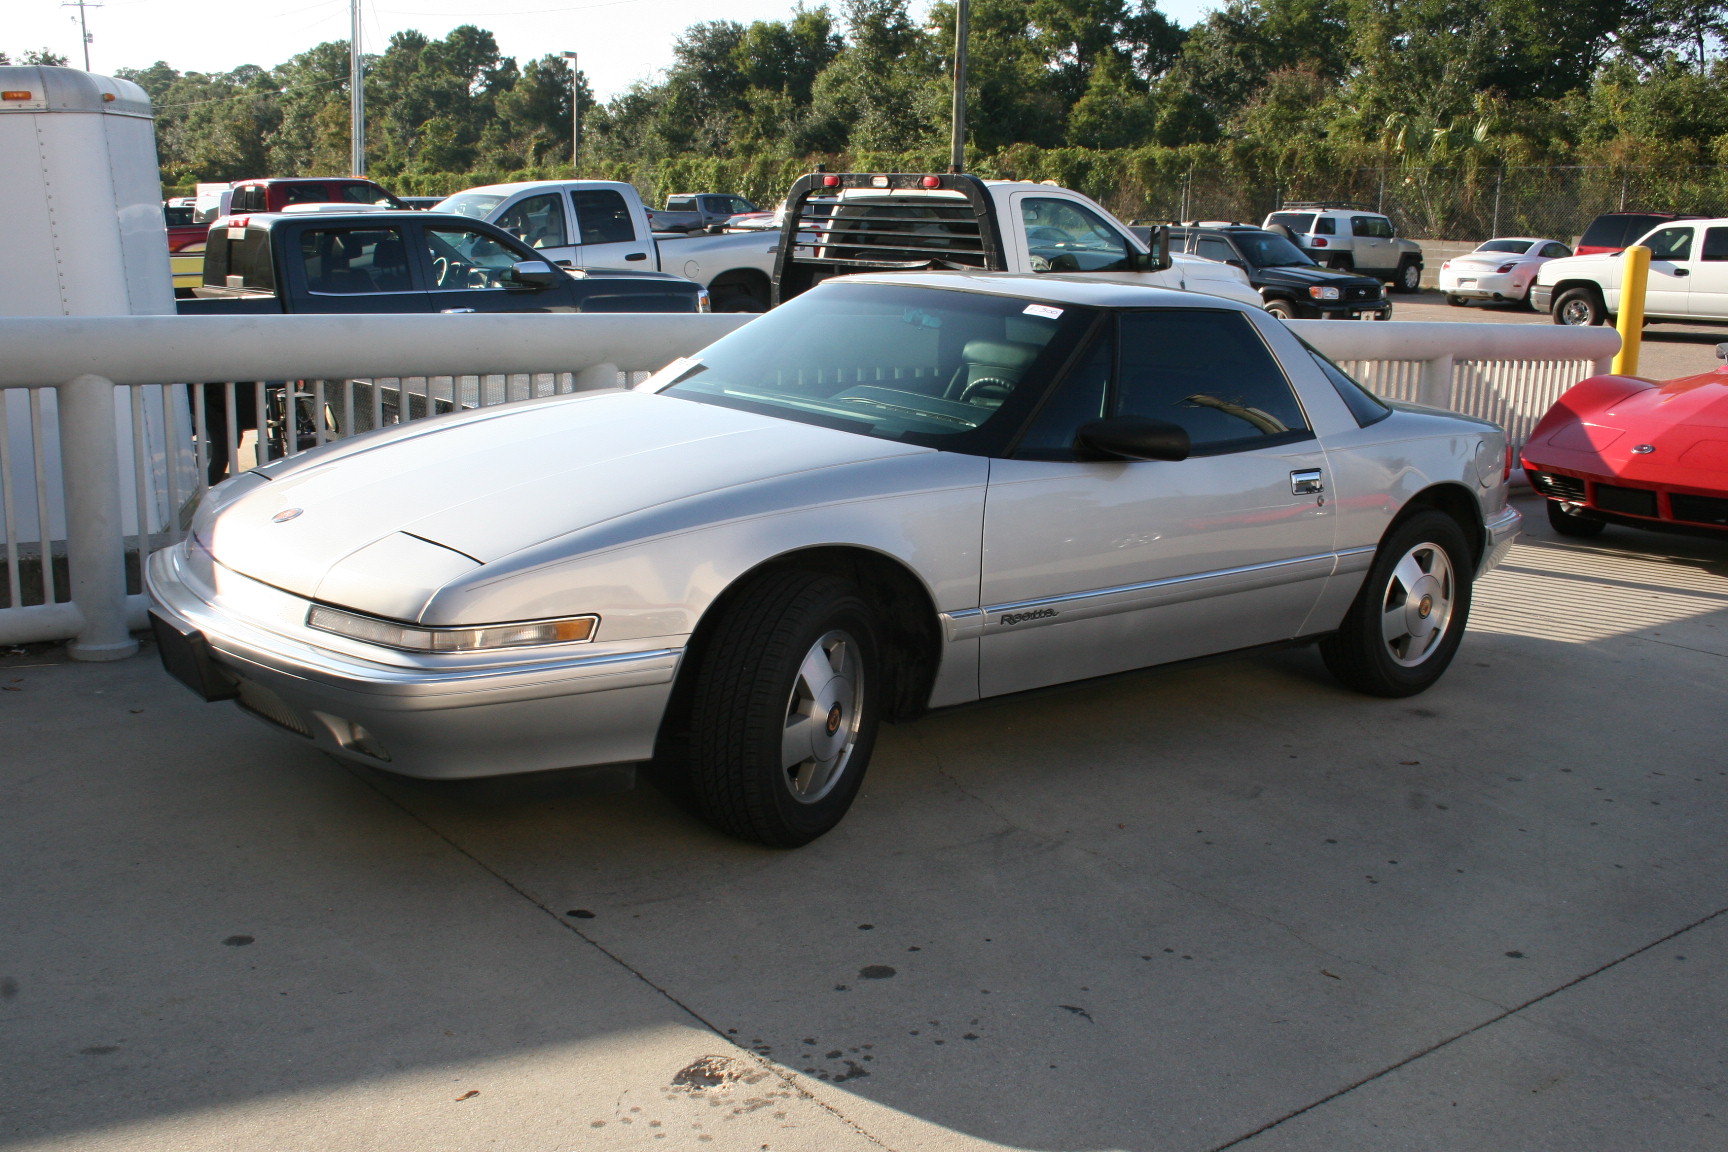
[(602, 217), (247, 199), (537, 221), (1715, 244), (466, 258), (1670, 244), (351, 261), (304, 194), (681, 204), (240, 261), (1326, 226), (365, 194), (1213, 248), (1063, 236)]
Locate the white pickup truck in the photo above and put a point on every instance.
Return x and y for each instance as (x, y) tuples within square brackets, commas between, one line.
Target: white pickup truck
[(604, 224), (838, 222), (1688, 278)]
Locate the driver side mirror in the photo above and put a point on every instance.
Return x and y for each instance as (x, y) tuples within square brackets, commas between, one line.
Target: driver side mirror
[(1132, 438), (533, 274), (1157, 257)]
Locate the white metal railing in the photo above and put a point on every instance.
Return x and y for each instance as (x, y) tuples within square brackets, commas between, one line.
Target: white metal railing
[(104, 449), (105, 446)]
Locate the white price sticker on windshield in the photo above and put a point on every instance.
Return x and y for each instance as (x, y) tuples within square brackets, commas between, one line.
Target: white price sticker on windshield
[(1043, 310)]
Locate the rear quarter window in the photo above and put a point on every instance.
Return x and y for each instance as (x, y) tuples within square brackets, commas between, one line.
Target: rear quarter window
[(1295, 221)]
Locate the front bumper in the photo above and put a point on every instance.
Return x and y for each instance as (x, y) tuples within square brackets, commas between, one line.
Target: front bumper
[(1498, 534), (1542, 297), (1309, 309), (1637, 504), (530, 715)]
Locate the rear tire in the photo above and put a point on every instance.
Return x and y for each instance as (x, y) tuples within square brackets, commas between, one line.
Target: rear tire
[(1407, 622), (783, 709), (1570, 523), (1455, 300), (732, 293)]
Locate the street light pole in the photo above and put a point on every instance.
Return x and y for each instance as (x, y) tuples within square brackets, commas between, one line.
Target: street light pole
[(356, 94), (575, 117), (957, 143)]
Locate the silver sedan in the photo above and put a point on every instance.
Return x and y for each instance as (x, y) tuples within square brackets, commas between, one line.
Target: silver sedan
[(895, 493)]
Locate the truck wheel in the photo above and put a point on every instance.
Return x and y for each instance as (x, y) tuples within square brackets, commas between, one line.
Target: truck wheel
[(1342, 262), (1409, 277), (1406, 624), (783, 709), (1579, 307), (1282, 309)]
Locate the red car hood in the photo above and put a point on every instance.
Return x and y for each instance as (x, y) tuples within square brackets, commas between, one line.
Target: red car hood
[(1683, 424)]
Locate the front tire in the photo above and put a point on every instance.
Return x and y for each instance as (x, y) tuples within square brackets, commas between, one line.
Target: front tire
[(1409, 277), (1282, 309), (1407, 622), (1579, 308), (784, 709), (1570, 523)]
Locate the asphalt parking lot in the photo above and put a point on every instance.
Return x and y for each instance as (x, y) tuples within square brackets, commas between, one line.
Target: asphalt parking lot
[(1225, 905)]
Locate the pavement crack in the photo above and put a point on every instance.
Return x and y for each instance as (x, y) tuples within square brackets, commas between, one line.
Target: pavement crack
[(1470, 1031), (789, 1078)]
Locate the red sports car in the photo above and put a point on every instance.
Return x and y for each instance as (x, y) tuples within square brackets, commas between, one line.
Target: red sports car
[(1620, 450)]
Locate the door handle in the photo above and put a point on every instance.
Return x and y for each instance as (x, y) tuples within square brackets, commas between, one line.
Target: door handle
[(637, 256), (1306, 483), (453, 311), (1682, 271)]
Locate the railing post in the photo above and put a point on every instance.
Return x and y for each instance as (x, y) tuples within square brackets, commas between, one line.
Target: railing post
[(95, 545), (1436, 387)]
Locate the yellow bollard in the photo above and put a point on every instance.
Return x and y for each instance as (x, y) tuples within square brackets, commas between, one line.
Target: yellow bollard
[(1633, 277)]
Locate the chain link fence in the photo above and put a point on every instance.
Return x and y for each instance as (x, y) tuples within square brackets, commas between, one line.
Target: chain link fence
[(1465, 205)]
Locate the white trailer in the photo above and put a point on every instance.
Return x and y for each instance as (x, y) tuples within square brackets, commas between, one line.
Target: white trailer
[(84, 235)]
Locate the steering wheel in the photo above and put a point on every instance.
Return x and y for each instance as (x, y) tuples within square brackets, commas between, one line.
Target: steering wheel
[(442, 266), (986, 388)]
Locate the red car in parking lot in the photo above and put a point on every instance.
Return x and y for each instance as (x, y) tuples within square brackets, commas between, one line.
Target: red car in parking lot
[(1643, 453)]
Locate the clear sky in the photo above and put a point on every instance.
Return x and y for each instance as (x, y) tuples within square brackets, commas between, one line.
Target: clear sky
[(618, 41)]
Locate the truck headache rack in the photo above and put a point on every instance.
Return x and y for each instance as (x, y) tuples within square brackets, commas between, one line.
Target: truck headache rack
[(829, 233)]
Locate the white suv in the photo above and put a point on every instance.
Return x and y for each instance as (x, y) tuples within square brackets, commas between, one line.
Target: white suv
[(1353, 239), (1688, 278)]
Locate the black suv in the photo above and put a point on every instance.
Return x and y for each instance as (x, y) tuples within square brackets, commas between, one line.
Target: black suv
[(1292, 285)]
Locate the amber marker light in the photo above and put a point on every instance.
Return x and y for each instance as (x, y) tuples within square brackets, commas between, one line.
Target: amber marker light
[(411, 638), (17, 94)]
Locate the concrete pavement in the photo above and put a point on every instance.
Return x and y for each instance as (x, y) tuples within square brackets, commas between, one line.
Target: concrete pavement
[(1219, 906)]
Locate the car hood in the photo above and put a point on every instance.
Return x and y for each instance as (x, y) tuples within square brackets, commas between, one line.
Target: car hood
[(1683, 423), (382, 527), (1312, 274)]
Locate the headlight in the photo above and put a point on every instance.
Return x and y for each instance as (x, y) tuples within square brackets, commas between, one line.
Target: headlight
[(1320, 292), (410, 638), (703, 302)]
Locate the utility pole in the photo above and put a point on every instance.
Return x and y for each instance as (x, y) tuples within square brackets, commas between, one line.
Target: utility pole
[(575, 117), (83, 25), (356, 94), (957, 147)]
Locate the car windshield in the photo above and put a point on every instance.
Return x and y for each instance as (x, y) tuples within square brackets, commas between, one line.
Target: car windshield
[(942, 368), (1516, 247), (1270, 250), (479, 205)]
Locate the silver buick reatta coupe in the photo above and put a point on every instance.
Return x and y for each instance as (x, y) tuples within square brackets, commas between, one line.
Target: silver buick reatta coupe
[(897, 492)]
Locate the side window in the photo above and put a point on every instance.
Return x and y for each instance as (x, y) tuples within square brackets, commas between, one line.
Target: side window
[(351, 261), (1213, 248), (1067, 237), (466, 258), (364, 194), (1210, 373), (1377, 227), (1715, 244), (1671, 244), (1555, 250), (304, 194), (537, 221), (741, 205), (1079, 400), (1326, 226), (602, 217), (1363, 404)]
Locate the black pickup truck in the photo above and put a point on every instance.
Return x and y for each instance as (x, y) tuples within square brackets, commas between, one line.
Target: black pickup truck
[(403, 261)]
